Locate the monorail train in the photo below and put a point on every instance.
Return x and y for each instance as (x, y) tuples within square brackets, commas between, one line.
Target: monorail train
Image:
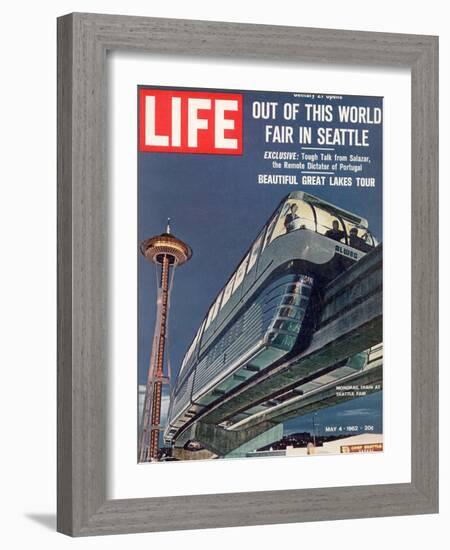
[(267, 309)]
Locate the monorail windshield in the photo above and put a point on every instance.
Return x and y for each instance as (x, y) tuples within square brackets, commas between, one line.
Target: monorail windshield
[(310, 213)]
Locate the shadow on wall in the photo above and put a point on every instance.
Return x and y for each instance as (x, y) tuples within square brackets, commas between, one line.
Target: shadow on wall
[(46, 520)]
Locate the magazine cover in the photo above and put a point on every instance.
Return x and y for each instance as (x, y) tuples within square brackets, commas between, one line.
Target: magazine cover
[(260, 274)]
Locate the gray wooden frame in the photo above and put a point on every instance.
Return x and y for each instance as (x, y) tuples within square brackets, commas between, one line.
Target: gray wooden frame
[(83, 41)]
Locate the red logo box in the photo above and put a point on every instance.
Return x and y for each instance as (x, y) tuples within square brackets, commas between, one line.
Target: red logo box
[(172, 121)]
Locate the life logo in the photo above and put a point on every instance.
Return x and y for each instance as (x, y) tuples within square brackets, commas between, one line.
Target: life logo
[(173, 121)]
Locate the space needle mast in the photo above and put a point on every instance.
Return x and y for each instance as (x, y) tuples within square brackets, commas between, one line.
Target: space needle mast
[(166, 252)]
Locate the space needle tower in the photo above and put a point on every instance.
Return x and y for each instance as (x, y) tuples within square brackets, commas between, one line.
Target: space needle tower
[(166, 252)]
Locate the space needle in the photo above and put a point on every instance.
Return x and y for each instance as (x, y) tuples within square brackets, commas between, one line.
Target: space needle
[(167, 252)]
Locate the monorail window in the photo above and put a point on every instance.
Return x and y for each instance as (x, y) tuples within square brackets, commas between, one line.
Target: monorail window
[(291, 312), (183, 364), (255, 251), (228, 291), (283, 341), (270, 229), (297, 215), (292, 288), (240, 273), (369, 238), (189, 353), (348, 226), (213, 311), (210, 316), (295, 300), (306, 290), (361, 239), (290, 326), (216, 305), (191, 348), (330, 225), (198, 335), (300, 286), (358, 237)]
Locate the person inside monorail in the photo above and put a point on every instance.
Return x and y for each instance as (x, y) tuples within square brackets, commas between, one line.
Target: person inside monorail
[(290, 217), (335, 233), (355, 241), (358, 242)]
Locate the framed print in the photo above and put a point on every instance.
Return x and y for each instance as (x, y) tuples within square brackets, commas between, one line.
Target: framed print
[(247, 269)]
